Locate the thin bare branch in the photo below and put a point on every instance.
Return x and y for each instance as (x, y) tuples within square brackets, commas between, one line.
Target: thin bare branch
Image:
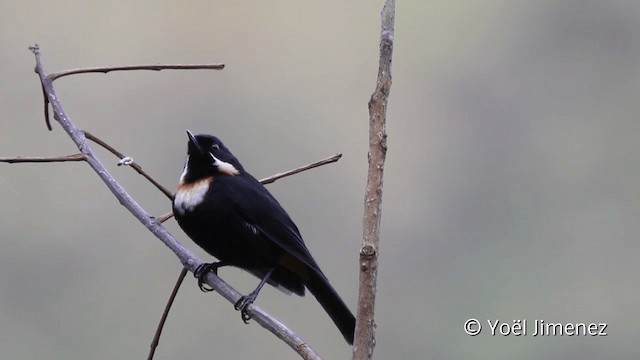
[(107, 69), (365, 321), (187, 258), (132, 164), (165, 217), (273, 178), (153, 67), (40, 159), (156, 337)]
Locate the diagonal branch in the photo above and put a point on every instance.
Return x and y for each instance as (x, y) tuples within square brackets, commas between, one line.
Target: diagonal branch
[(187, 258), (40, 159), (365, 321)]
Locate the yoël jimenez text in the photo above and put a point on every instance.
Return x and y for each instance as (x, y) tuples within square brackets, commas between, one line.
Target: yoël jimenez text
[(540, 327)]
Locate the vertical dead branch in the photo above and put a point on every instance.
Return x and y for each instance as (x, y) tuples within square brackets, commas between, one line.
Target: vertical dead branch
[(365, 323)]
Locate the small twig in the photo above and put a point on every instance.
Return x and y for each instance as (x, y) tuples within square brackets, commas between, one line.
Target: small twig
[(39, 159), (365, 321), (165, 217), (133, 165), (156, 337), (273, 178), (153, 67)]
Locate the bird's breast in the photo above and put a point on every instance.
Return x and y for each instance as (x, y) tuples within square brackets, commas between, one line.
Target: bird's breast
[(190, 195)]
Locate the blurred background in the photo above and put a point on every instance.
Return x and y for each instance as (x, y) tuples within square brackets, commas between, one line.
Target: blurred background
[(511, 185)]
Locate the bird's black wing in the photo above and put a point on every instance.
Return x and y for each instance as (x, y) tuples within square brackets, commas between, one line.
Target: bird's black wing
[(262, 211)]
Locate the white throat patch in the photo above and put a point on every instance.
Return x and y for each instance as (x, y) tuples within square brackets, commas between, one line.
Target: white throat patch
[(189, 196), (224, 167)]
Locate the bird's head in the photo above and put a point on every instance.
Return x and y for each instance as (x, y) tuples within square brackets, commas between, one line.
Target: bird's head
[(207, 156)]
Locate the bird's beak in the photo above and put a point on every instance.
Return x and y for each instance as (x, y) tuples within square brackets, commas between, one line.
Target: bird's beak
[(193, 143)]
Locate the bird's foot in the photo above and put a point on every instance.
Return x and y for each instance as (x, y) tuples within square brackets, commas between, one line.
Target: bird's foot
[(201, 274), (242, 305)]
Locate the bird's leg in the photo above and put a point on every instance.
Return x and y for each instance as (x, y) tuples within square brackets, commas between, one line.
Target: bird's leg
[(250, 298), (203, 269)]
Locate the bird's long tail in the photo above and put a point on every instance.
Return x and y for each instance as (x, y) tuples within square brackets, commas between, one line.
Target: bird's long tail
[(327, 296)]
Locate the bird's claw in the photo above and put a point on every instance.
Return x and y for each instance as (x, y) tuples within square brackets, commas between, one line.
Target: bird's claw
[(242, 305), (201, 274)]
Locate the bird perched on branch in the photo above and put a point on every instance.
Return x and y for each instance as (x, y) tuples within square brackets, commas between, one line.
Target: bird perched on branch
[(233, 217)]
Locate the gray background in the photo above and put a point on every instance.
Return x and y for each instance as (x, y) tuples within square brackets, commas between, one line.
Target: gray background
[(511, 187)]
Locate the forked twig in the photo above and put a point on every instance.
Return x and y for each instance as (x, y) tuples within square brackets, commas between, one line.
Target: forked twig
[(81, 157), (107, 69)]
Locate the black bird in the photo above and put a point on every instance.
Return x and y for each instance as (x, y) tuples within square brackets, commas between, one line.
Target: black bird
[(233, 217)]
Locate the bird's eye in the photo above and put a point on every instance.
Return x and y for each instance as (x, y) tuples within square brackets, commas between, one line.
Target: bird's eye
[(215, 147)]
